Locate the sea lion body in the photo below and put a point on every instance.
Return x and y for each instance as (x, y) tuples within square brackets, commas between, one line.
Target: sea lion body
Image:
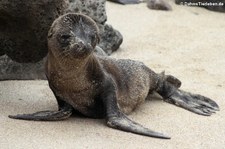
[(100, 86), (133, 80), (79, 81)]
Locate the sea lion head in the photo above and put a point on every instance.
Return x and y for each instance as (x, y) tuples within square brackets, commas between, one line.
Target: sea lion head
[(73, 35)]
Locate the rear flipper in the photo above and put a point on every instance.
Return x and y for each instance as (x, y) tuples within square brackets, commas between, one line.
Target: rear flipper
[(126, 1), (168, 89), (193, 102), (62, 114)]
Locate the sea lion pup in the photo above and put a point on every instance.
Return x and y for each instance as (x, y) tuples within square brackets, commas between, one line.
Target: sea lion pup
[(99, 86)]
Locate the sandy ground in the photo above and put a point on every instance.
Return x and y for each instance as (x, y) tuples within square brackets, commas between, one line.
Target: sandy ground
[(186, 42)]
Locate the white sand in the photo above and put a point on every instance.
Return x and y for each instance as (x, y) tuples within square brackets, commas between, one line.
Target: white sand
[(186, 42)]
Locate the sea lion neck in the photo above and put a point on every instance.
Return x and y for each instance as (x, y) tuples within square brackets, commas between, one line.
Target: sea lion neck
[(89, 68), (67, 63)]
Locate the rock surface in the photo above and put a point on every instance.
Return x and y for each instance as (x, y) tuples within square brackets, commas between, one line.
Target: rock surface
[(24, 26), (110, 38), (11, 70), (158, 5)]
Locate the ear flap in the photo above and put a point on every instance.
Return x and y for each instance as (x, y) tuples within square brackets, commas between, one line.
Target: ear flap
[(97, 38)]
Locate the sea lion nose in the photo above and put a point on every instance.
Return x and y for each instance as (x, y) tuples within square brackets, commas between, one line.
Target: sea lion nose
[(80, 44)]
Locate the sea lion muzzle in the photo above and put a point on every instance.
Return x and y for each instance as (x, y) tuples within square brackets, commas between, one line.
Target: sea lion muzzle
[(80, 48)]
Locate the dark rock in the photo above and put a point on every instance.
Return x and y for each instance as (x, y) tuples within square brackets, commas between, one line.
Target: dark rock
[(158, 5), (92, 8), (214, 5), (24, 25), (110, 39), (2, 51), (11, 70)]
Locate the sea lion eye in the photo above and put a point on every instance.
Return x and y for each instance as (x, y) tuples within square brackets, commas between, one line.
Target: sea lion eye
[(65, 37)]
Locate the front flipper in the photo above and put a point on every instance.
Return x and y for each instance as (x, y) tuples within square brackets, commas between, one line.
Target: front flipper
[(193, 102), (124, 2), (116, 119), (62, 114)]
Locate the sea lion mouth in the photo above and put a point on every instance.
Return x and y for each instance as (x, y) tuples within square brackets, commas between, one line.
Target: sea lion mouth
[(77, 47)]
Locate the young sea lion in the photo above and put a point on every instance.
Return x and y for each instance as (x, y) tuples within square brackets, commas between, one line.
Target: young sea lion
[(100, 86)]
